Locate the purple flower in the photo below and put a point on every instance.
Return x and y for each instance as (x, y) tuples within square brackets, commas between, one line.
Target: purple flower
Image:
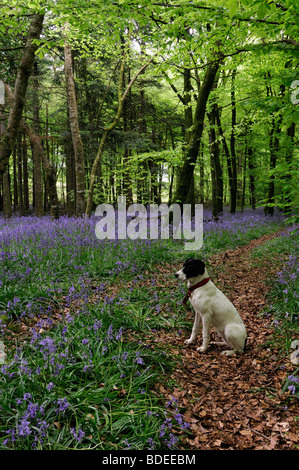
[(50, 386), (79, 435), (24, 429), (48, 346), (151, 443), (124, 356), (139, 359), (62, 404)]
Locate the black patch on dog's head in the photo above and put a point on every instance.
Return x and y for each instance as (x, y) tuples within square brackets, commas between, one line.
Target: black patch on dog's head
[(193, 267)]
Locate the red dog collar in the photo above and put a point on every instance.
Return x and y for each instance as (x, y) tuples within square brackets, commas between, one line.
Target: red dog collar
[(192, 288)]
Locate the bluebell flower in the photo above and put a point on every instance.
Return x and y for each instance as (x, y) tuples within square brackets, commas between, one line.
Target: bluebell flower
[(139, 359), (62, 404), (77, 435), (50, 386)]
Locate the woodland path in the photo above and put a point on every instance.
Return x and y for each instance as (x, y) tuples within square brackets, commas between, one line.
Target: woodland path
[(234, 402)]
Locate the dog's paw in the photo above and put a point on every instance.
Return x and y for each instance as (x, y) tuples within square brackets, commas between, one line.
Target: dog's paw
[(189, 341), (229, 352), (202, 349)]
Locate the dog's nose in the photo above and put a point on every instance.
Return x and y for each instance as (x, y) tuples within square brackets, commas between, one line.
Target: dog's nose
[(176, 275)]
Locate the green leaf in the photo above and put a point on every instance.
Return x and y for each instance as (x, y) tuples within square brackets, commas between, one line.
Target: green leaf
[(262, 11), (233, 9)]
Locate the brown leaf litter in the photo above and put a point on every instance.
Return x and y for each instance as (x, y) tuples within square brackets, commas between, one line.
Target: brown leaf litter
[(233, 402)]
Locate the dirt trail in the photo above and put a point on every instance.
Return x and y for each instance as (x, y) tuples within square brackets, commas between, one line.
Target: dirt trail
[(235, 402)]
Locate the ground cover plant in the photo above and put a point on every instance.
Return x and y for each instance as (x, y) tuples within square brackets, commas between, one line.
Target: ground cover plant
[(283, 296), (73, 378)]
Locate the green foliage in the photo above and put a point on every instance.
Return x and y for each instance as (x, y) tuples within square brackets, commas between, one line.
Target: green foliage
[(283, 302), (184, 35)]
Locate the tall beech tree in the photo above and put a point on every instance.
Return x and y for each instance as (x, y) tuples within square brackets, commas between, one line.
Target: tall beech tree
[(21, 84), (36, 151), (75, 130), (187, 170), (41, 156)]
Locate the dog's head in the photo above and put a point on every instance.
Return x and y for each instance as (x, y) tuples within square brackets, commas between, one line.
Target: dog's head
[(191, 268)]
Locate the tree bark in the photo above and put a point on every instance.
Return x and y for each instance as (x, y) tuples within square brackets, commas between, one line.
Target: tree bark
[(75, 131), (216, 169), (37, 164), (251, 167), (25, 176), (186, 99), (49, 169), (233, 159), (187, 170), (70, 176), (127, 180), (21, 84), (20, 172), (289, 159), (7, 212), (274, 147)]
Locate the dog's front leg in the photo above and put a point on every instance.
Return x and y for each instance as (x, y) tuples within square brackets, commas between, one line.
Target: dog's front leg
[(206, 328), (195, 329)]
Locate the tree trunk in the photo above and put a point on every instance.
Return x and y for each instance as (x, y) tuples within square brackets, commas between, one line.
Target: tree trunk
[(251, 167), (289, 159), (233, 159), (70, 177), (201, 175), (20, 172), (244, 181), (15, 180), (187, 170), (25, 176), (227, 154), (48, 168), (75, 131), (37, 164), (127, 180), (274, 147), (216, 169), (186, 99), (7, 212), (21, 84)]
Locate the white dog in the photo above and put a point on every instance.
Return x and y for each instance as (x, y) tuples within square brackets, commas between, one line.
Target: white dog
[(212, 307)]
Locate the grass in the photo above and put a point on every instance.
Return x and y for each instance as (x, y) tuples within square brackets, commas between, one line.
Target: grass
[(283, 297), (75, 378)]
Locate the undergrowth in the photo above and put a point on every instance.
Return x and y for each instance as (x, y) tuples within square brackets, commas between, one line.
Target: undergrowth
[(283, 297), (73, 379)]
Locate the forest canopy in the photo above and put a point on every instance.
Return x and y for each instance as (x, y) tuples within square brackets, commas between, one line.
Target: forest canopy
[(187, 102)]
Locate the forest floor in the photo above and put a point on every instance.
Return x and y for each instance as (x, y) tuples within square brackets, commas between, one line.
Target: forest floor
[(232, 402)]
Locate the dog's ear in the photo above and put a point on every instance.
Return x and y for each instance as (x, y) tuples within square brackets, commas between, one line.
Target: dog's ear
[(201, 266), (193, 267)]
